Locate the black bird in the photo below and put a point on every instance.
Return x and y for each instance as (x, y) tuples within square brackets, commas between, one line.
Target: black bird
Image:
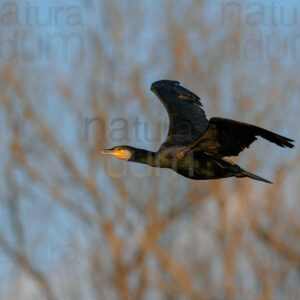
[(195, 146)]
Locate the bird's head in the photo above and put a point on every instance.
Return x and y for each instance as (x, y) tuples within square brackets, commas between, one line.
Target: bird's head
[(121, 152)]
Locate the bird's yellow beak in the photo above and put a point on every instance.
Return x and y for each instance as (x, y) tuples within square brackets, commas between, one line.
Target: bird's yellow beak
[(121, 154), (107, 152)]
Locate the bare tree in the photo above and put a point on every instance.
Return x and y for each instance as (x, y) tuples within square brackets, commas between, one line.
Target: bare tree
[(76, 78)]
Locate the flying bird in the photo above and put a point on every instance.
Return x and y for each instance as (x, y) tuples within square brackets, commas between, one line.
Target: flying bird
[(196, 147)]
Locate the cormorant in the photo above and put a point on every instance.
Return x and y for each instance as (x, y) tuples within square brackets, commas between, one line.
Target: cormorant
[(195, 146)]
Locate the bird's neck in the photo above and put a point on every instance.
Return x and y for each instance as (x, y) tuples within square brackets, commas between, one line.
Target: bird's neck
[(144, 157)]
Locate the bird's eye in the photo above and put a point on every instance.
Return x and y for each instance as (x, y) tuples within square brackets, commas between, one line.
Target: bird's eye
[(119, 148)]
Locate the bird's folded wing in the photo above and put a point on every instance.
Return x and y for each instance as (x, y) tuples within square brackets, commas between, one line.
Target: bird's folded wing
[(225, 137)]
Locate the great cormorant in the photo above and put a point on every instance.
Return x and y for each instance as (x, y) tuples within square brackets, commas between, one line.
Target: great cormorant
[(195, 146)]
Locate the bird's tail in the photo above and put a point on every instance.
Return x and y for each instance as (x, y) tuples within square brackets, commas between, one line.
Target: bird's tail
[(253, 176)]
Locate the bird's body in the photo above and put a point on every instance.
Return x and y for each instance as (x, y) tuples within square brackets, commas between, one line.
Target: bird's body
[(196, 165), (196, 147)]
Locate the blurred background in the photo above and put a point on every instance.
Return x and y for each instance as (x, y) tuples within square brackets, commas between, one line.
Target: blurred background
[(75, 77)]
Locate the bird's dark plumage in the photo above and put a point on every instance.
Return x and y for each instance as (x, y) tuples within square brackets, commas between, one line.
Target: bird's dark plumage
[(196, 147), (224, 137), (187, 118)]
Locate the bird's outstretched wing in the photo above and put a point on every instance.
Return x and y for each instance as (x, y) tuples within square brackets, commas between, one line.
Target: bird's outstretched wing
[(187, 118), (225, 137)]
